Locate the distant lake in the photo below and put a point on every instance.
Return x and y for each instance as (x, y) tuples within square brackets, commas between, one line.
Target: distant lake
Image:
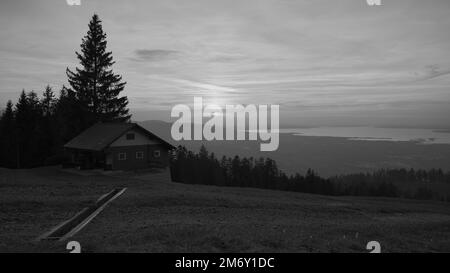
[(424, 136), (337, 150)]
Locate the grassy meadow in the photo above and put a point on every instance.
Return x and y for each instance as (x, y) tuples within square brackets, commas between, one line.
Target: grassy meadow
[(156, 215)]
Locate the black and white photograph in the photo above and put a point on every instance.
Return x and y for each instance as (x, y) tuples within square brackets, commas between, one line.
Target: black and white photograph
[(224, 127)]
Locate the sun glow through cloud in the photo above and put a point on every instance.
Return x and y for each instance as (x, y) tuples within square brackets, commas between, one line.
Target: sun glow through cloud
[(350, 62)]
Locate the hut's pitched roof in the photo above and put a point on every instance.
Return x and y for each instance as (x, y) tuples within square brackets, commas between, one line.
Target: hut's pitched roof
[(99, 136)]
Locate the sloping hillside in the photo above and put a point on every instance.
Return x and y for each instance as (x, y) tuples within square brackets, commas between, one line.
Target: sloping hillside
[(156, 215)]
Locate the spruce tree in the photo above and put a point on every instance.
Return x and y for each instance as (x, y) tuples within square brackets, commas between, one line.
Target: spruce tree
[(7, 137), (7, 118), (48, 125), (28, 116), (48, 102), (70, 117), (96, 87)]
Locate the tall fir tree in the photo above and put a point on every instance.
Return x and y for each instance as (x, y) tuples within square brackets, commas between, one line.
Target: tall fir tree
[(95, 85), (7, 137), (7, 119), (29, 134), (70, 117), (48, 125), (48, 102)]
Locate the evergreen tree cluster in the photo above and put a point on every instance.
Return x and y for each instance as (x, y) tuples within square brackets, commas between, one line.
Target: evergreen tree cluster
[(33, 131), (28, 130), (205, 168)]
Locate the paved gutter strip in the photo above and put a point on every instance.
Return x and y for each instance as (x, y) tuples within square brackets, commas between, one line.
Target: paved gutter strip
[(70, 227)]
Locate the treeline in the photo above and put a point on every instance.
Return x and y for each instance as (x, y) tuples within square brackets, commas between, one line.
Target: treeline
[(34, 130), (205, 168), (355, 184)]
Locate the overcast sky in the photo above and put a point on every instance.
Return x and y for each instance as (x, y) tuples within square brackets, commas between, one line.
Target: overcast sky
[(325, 62)]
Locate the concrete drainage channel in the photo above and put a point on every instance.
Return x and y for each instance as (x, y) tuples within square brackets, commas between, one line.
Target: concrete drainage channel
[(70, 227)]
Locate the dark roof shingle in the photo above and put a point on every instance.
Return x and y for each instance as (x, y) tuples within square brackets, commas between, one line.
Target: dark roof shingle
[(99, 136)]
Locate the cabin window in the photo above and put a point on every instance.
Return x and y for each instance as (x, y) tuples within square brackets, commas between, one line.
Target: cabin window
[(122, 156), (130, 136), (156, 153), (139, 155)]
